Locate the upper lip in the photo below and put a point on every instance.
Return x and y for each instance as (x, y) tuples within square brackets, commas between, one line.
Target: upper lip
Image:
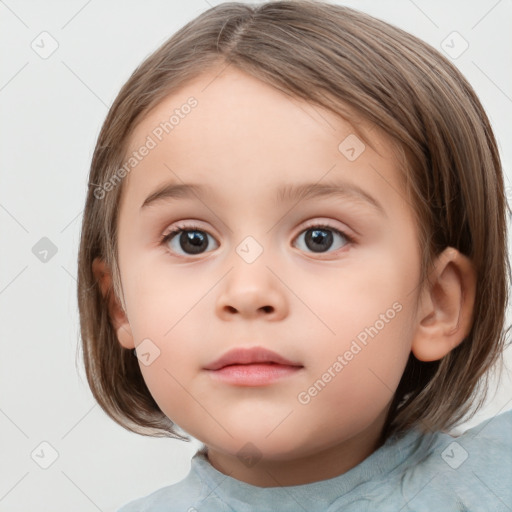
[(249, 356)]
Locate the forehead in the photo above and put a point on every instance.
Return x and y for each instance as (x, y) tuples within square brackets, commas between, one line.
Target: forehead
[(241, 104), (244, 132)]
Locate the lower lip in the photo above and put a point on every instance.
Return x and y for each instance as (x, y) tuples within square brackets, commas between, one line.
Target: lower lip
[(253, 374)]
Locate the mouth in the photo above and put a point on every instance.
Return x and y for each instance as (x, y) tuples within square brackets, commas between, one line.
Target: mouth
[(252, 367), (250, 356), (254, 374)]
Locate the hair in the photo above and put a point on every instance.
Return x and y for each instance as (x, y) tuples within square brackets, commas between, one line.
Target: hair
[(357, 67)]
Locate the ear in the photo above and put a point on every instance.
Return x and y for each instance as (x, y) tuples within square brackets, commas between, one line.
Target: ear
[(445, 312), (117, 316)]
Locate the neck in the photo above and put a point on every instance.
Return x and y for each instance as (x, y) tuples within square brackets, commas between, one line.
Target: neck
[(322, 464)]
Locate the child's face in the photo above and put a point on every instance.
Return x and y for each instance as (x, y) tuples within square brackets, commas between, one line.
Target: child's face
[(343, 310)]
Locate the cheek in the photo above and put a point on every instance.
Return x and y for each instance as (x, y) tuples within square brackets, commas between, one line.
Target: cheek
[(370, 323), (376, 358), (373, 288), (161, 298), (354, 383), (169, 308)]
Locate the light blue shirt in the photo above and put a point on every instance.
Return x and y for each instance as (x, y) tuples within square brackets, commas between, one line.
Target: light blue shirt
[(415, 473)]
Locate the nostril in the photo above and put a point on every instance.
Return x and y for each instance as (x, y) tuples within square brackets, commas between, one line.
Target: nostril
[(266, 309)]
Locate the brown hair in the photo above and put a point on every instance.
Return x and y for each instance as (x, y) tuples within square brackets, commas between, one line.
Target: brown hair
[(334, 57)]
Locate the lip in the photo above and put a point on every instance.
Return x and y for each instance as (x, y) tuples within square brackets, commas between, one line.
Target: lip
[(256, 374), (248, 356), (252, 367)]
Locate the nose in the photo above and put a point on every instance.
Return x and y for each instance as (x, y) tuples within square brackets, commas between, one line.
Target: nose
[(252, 291)]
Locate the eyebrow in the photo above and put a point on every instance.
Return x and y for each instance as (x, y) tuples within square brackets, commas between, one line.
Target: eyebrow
[(285, 193)]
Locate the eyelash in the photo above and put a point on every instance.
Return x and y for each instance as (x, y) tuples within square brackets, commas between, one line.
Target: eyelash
[(166, 237), (178, 229)]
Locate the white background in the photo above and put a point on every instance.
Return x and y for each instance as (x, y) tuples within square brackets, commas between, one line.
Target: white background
[(51, 113)]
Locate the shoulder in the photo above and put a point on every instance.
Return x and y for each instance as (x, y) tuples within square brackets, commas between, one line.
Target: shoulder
[(195, 492), (483, 450), (471, 472), (180, 496)]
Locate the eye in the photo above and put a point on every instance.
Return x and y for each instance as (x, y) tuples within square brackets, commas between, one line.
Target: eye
[(320, 238), (191, 240)]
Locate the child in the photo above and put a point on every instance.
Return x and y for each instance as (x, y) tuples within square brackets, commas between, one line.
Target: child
[(317, 378)]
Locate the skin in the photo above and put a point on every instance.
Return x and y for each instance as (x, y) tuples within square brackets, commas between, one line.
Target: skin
[(244, 139)]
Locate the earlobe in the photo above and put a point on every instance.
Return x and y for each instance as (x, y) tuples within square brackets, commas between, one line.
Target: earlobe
[(117, 316), (445, 313)]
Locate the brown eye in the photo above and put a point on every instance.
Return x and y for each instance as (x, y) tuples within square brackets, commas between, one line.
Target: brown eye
[(190, 240), (320, 239)]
